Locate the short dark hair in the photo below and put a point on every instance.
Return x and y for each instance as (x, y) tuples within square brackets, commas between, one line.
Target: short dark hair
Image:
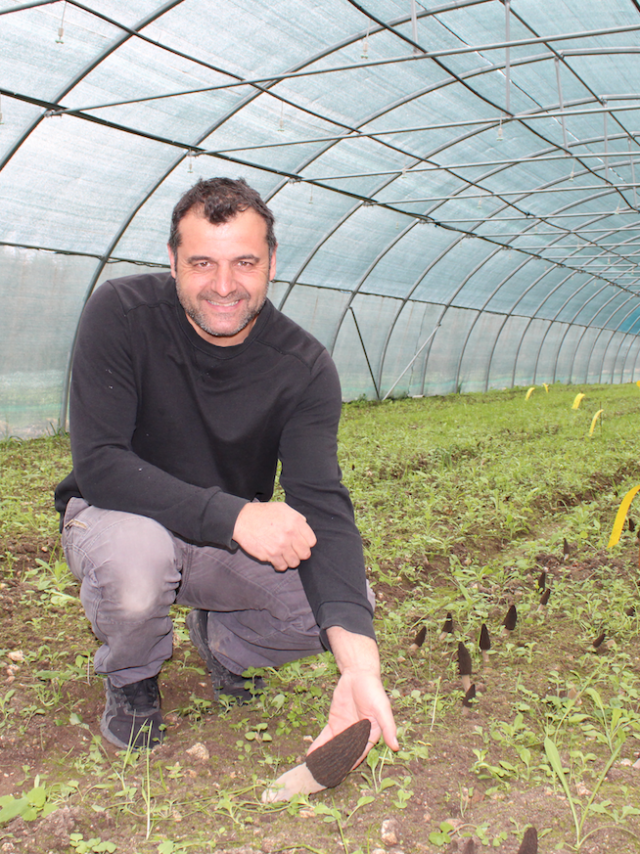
[(220, 200)]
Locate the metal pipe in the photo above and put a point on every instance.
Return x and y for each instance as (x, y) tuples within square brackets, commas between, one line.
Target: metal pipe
[(414, 28), (564, 127), (364, 350), (507, 55), (606, 146), (412, 360), (633, 176)]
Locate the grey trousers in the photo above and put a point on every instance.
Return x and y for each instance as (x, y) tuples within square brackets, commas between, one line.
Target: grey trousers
[(133, 569)]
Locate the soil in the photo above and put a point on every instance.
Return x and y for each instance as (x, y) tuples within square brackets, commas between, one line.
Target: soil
[(206, 800)]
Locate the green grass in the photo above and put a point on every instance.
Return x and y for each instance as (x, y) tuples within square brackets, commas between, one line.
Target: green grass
[(462, 502)]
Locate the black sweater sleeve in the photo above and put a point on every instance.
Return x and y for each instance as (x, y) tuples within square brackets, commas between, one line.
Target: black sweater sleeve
[(333, 577)]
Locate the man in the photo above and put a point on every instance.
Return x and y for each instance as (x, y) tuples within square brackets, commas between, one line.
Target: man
[(187, 389)]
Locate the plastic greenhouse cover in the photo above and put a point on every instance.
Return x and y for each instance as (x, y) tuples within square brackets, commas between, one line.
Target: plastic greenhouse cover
[(455, 185)]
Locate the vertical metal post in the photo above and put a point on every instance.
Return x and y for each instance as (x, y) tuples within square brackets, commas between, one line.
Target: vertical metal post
[(414, 25), (507, 55), (633, 177), (564, 127), (606, 144)]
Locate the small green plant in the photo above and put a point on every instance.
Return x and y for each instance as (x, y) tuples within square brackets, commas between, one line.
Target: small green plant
[(553, 756), (442, 836), (34, 804), (90, 846)]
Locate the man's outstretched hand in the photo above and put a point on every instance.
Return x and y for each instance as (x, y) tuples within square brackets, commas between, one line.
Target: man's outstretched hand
[(275, 533), (359, 693)]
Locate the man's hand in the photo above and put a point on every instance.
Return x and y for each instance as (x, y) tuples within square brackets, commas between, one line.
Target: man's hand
[(359, 693), (274, 532)]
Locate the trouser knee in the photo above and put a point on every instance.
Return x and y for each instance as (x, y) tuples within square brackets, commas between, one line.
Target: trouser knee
[(128, 564)]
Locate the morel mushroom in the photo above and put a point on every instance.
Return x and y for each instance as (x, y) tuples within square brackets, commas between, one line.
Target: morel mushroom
[(529, 842), (544, 599), (464, 666), (418, 640), (469, 696), (324, 768), (447, 628), (485, 643), (511, 619)]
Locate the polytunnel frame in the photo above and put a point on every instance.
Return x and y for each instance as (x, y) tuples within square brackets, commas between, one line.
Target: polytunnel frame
[(517, 269), (189, 149), (581, 269), (494, 195), (350, 307), (388, 108), (104, 258), (570, 323), (130, 32), (510, 313), (454, 243)]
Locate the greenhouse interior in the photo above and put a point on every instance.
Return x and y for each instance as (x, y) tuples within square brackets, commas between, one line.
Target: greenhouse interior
[(454, 184)]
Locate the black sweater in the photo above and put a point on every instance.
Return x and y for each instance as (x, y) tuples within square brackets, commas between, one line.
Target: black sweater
[(166, 425)]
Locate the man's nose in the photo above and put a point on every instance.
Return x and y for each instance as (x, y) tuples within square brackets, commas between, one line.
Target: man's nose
[(224, 279)]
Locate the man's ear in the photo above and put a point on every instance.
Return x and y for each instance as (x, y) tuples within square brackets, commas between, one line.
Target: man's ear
[(272, 264), (172, 261)]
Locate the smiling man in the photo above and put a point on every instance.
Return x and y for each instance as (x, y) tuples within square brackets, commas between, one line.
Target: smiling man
[(187, 390)]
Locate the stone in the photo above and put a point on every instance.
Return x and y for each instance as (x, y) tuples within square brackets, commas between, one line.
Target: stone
[(199, 752), (390, 831)]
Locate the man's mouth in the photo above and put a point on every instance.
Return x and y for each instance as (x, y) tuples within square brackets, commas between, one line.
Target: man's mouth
[(223, 304)]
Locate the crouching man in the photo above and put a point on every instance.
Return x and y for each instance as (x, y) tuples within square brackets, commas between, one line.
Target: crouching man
[(187, 389)]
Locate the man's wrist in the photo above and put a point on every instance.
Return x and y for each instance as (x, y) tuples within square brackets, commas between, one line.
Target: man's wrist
[(353, 652)]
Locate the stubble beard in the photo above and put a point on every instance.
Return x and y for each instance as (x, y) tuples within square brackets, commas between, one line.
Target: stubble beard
[(199, 317)]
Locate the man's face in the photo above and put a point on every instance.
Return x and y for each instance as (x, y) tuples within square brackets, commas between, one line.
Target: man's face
[(222, 273)]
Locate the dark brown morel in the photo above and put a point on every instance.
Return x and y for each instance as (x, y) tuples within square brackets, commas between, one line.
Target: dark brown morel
[(469, 696), (448, 624), (464, 660), (542, 581), (464, 666), (511, 619), (529, 842), (545, 597), (599, 640), (485, 643), (485, 640), (419, 638), (331, 762)]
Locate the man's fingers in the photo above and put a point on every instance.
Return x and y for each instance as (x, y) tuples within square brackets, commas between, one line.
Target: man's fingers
[(275, 533)]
